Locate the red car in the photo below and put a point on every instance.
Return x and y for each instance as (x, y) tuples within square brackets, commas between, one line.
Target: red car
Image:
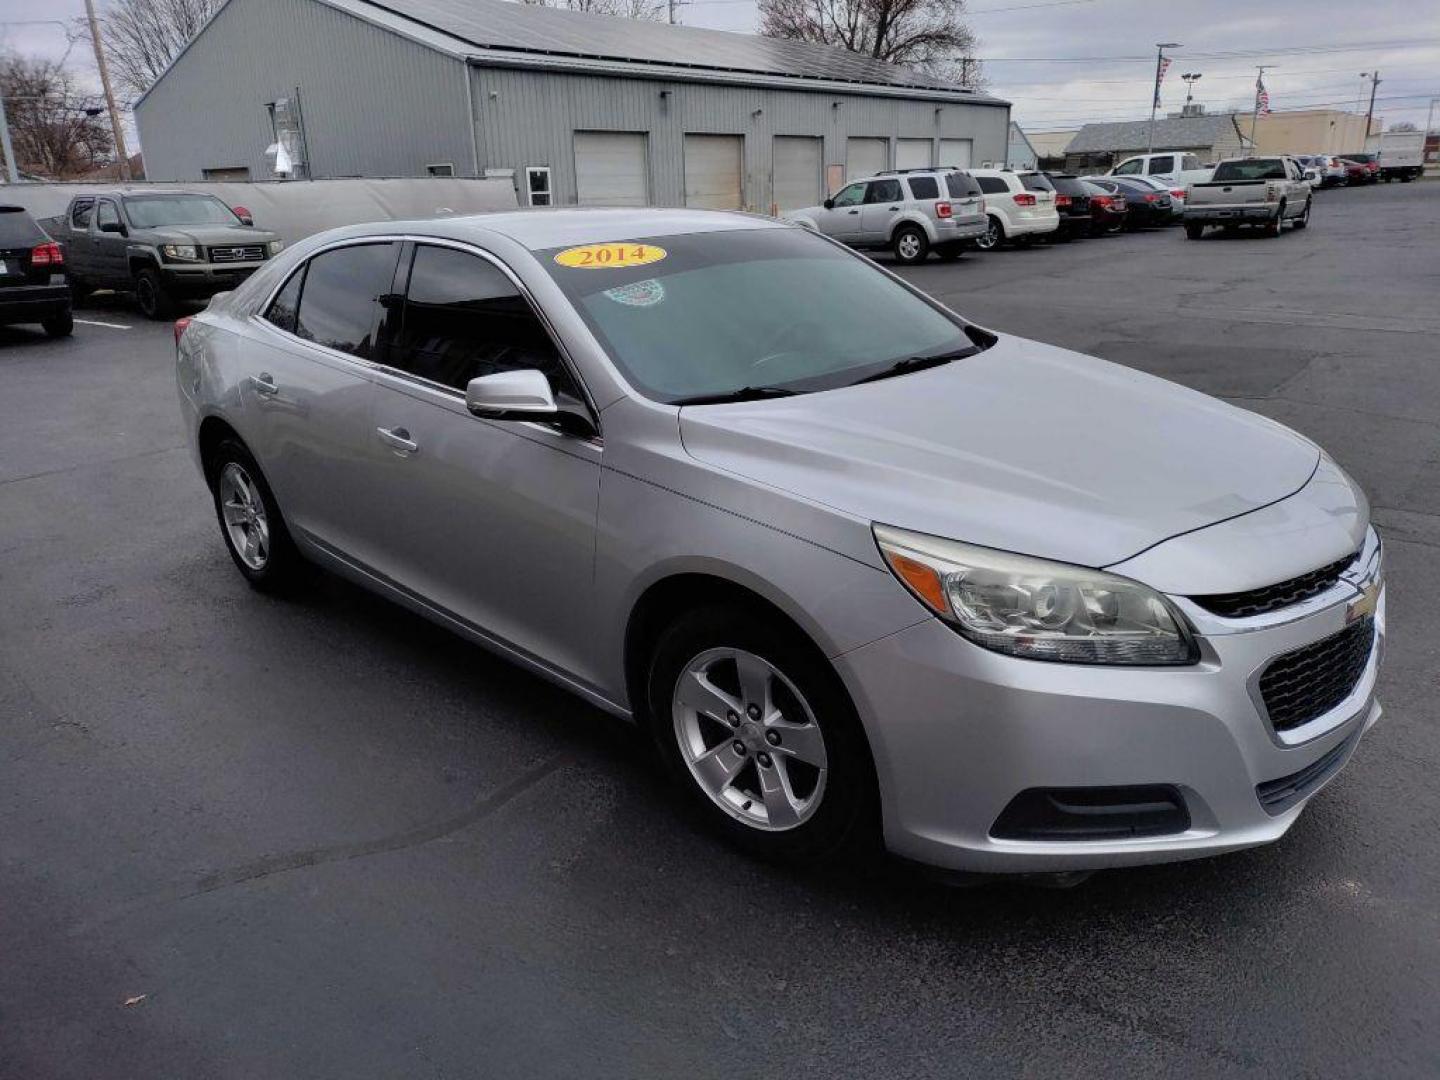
[(1362, 169), (1107, 210)]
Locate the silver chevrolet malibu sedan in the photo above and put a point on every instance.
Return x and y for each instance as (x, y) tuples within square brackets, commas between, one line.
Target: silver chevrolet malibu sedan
[(860, 567)]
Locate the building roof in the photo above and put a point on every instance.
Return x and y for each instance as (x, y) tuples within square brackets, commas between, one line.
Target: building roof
[(1176, 133), (501, 27)]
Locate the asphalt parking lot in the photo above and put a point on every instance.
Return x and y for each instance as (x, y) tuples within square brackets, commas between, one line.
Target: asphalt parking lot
[(242, 837)]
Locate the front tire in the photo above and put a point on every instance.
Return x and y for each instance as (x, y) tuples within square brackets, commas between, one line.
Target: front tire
[(910, 245), (153, 298), (758, 731), (250, 520)]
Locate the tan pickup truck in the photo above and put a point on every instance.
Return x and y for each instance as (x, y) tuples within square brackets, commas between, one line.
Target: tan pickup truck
[(1264, 192)]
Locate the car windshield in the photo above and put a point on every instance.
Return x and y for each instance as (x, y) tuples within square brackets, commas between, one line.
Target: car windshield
[(155, 211), (747, 313), (1258, 169)]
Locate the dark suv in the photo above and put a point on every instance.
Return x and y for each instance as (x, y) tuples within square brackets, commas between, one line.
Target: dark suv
[(33, 288)]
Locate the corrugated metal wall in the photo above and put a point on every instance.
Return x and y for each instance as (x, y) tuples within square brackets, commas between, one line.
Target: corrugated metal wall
[(527, 117), (374, 103)]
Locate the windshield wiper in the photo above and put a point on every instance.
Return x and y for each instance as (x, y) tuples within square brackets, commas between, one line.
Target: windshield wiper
[(745, 393), (917, 363)]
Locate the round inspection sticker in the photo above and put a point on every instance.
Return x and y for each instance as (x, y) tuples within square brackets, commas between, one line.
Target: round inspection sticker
[(610, 256)]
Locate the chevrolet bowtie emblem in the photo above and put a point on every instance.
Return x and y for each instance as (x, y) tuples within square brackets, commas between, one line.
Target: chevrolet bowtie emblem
[(1365, 603)]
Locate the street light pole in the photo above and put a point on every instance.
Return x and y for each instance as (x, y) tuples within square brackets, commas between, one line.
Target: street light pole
[(1155, 98), (109, 93)]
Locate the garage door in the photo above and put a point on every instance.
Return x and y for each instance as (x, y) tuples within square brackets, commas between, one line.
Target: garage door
[(797, 172), (912, 154), (610, 168), (866, 157), (713, 170), (955, 152)]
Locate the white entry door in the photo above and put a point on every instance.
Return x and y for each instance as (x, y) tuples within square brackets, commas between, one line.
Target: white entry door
[(866, 157), (798, 179), (714, 167), (955, 153), (912, 154), (610, 168)]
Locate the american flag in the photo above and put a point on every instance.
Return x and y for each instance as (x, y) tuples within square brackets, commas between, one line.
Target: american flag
[(1160, 77), (1262, 97)]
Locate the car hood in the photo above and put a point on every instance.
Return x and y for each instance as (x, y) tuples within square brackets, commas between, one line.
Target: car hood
[(1023, 447), (210, 235)]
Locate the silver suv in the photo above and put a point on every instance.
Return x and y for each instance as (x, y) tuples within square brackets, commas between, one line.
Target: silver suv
[(911, 211)]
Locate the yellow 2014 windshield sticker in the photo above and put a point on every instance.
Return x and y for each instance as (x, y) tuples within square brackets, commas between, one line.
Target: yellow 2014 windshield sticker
[(610, 256)]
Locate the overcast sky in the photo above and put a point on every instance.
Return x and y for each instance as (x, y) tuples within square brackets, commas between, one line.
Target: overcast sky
[(1319, 48)]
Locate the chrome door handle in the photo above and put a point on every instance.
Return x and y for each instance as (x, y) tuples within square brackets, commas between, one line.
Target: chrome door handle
[(399, 438), (854, 211), (894, 208), (264, 384)]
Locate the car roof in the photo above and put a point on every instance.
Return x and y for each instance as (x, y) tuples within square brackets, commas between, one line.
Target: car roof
[(539, 229)]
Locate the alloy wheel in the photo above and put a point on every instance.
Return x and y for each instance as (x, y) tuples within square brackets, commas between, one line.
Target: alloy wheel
[(247, 526), (909, 245), (749, 739), (991, 237)]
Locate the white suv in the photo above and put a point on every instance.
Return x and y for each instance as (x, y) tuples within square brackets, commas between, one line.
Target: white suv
[(911, 212), (1020, 206)]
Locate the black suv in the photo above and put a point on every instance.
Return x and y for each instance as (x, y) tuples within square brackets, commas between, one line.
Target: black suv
[(33, 288)]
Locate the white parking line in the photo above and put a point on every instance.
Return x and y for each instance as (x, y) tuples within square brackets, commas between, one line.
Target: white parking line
[(111, 325)]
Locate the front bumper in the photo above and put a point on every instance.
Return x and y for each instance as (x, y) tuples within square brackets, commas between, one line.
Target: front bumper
[(206, 279), (958, 732)]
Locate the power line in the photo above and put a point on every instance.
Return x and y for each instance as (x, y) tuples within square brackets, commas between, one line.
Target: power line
[(1291, 50)]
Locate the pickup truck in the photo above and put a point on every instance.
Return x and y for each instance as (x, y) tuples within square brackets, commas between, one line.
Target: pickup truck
[(1175, 168), (162, 246), (1262, 191)]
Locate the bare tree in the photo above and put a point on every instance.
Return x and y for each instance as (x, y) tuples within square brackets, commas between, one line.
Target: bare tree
[(1403, 125), (645, 10), (58, 131), (143, 36), (926, 34)]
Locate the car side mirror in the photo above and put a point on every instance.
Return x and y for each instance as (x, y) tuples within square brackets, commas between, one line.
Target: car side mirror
[(524, 395), (829, 204), (112, 226)]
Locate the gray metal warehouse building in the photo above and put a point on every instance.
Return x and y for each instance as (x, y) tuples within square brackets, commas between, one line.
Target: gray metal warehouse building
[(578, 108)]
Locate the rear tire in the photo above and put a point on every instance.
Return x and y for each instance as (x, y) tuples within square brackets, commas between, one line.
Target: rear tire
[(59, 325), (741, 755), (1304, 219), (250, 522), (1194, 231), (1276, 225), (910, 245), (151, 295)]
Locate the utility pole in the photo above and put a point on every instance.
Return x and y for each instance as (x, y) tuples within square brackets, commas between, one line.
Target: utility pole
[(109, 93), (1374, 77), (12, 173), (1155, 99), (1255, 116)]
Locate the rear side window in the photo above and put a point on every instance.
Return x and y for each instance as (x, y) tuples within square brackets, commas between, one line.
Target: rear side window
[(883, 191), (1163, 164), (992, 185), (80, 213), (18, 228), (1190, 161), (924, 187), (1034, 181), (284, 309), (463, 318), (961, 186), (341, 299)]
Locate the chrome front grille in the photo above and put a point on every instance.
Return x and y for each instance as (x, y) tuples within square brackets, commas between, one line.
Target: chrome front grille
[(1308, 682), (1245, 605), (242, 253)]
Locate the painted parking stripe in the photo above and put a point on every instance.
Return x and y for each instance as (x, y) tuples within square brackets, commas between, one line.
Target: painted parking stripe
[(111, 325)]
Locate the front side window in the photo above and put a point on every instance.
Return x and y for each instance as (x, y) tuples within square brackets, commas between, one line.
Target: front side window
[(80, 213), (883, 191), (993, 185), (342, 297), (157, 211), (107, 214), (463, 318), (1130, 168), (924, 187), (778, 309), (851, 196)]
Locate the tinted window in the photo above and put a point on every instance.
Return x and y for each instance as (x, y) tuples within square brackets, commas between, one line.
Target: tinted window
[(1034, 181), (752, 307), (1130, 168), (18, 228), (107, 214), (992, 185), (1162, 164), (286, 305), (342, 296), (961, 186), (883, 191), (1257, 169), (80, 213), (463, 318), (851, 196), (924, 187), (153, 211)]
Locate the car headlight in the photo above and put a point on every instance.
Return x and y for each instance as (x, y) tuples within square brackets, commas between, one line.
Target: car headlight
[(181, 252), (274, 247), (1038, 609)]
